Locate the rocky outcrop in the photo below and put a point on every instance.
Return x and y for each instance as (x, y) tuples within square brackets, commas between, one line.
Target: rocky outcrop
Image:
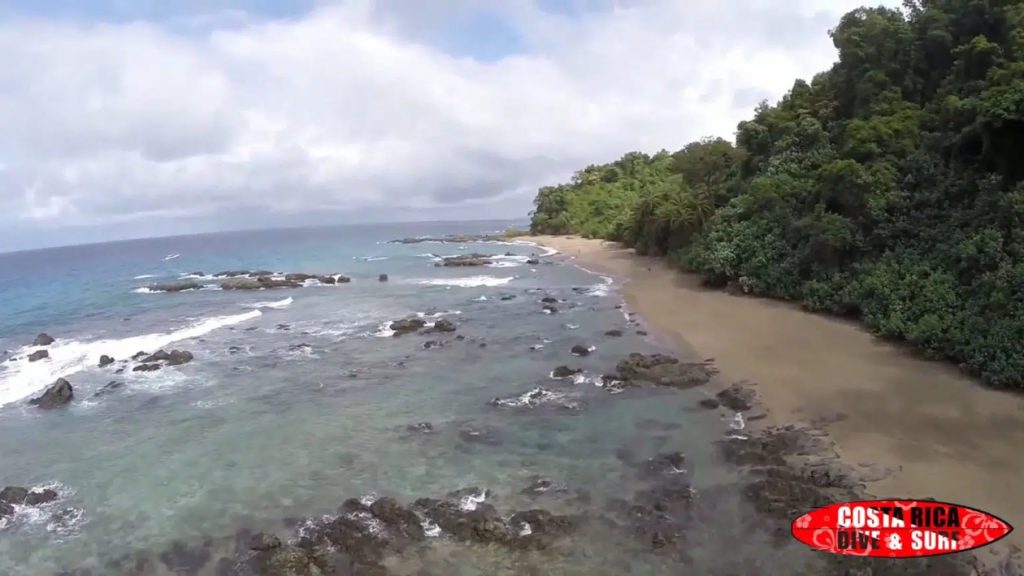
[(258, 283), (176, 286), (473, 259), (172, 358), (382, 278), (737, 398), (58, 394), (38, 355), (406, 325), (105, 361), (43, 339), (18, 495), (663, 370), (440, 325), (561, 372)]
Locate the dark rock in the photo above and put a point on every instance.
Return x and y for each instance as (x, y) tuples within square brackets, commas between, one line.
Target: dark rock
[(57, 395), (382, 278), (108, 388), (263, 541), (234, 273), (709, 403), (537, 529), (460, 337), (580, 350), (139, 355), (268, 282), (641, 333), (146, 368), (407, 325), (43, 339), (176, 286), (616, 333), (38, 355), (420, 428), (541, 486), (105, 361), (433, 344), (13, 494), (283, 561), (329, 280), (507, 297), (473, 259), (441, 325), (299, 277), (172, 358), (663, 370), (37, 497), (483, 345), (737, 397), (399, 520), (234, 350), (533, 261), (6, 509), (564, 372), (549, 300), (240, 283)]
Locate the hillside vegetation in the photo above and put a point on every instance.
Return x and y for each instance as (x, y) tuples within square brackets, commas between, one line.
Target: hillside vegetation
[(888, 187)]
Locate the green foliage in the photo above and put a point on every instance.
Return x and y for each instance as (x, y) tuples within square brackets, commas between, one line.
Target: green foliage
[(890, 187)]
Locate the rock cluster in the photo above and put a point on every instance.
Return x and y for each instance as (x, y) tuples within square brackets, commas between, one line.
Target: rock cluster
[(473, 259)]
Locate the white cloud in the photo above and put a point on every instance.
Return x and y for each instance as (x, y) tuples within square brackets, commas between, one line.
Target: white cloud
[(347, 108)]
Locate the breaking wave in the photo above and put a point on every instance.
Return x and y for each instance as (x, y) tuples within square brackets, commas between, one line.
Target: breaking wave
[(468, 281), (21, 378)]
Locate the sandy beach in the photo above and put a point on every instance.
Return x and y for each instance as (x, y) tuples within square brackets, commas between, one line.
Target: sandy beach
[(939, 433)]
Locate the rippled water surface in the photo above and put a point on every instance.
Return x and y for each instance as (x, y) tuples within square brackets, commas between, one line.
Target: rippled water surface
[(300, 398)]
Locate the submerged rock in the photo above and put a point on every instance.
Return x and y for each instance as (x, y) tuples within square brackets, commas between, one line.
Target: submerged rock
[(549, 300), (43, 339), (38, 355), (382, 278), (58, 394), (662, 370), (615, 333), (709, 403), (105, 361), (176, 286), (263, 541), (420, 428), (549, 309), (108, 388), (532, 261)]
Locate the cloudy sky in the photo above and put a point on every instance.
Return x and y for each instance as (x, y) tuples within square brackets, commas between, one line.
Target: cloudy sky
[(127, 118)]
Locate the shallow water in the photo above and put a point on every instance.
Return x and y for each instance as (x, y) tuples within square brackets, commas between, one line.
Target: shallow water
[(298, 399)]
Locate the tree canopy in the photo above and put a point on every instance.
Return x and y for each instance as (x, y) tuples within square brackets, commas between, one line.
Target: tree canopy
[(890, 187)]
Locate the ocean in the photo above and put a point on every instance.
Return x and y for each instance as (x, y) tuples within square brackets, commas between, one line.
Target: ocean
[(299, 398)]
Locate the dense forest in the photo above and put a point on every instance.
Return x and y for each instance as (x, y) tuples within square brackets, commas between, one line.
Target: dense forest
[(890, 187)]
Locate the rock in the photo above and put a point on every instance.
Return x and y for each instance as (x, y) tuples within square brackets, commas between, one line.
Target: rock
[(407, 325), (441, 325), (38, 355), (460, 260), (549, 309), (433, 344), (662, 370), (240, 283), (709, 403), (146, 368), (507, 297), (105, 361), (382, 278), (664, 464), (298, 277), (232, 273), (329, 280), (139, 355), (176, 286), (43, 339), (268, 283), (108, 388), (13, 494), (564, 372), (283, 561), (6, 509), (580, 350), (540, 486), (399, 520), (532, 261), (341, 279), (549, 300), (641, 333), (57, 395), (263, 541), (172, 358), (37, 497), (737, 398), (420, 428), (616, 333)]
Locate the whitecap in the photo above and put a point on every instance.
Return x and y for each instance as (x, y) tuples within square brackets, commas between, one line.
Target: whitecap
[(572, 326), (171, 257), (384, 330), (469, 502), (430, 528), (276, 304), (370, 258), (369, 499), (480, 298), (144, 276), (468, 281), (525, 530), (504, 264), (22, 378)]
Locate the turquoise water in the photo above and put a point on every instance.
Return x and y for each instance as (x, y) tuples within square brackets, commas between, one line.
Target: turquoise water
[(298, 399)]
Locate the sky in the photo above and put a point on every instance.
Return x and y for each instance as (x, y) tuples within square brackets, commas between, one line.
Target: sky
[(131, 118)]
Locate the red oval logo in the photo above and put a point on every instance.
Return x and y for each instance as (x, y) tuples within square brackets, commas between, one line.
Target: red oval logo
[(898, 528)]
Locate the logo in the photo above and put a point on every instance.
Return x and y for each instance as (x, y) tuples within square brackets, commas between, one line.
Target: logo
[(898, 528)]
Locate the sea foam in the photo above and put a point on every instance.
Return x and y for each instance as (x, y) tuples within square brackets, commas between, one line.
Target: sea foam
[(22, 378), (468, 281)]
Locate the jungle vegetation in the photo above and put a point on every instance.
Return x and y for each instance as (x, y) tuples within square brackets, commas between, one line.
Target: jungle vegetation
[(890, 187)]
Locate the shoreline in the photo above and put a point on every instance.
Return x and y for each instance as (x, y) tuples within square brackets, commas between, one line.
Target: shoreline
[(923, 428)]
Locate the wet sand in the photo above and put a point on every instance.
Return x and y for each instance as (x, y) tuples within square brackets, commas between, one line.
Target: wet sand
[(942, 434)]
